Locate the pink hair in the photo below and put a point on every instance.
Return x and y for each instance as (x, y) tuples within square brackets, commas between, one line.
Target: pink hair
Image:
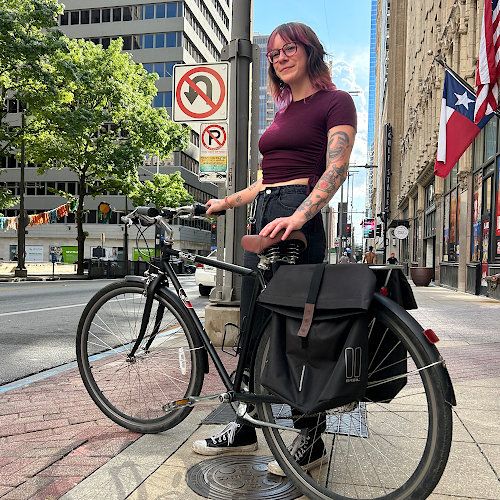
[(318, 71)]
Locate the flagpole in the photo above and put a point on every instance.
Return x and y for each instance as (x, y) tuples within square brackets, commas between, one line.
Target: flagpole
[(442, 62)]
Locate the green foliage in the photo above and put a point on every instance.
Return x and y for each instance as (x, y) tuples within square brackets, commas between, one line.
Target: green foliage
[(27, 40), (7, 199), (100, 122), (162, 191)]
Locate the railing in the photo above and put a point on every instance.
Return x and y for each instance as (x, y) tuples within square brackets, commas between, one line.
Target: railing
[(449, 274)]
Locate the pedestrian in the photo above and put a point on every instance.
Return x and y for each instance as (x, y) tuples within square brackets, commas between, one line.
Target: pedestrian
[(370, 256), (392, 259), (344, 259), (306, 153)]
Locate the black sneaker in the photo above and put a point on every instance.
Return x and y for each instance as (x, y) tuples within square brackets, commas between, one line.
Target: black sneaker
[(234, 437), (306, 452)]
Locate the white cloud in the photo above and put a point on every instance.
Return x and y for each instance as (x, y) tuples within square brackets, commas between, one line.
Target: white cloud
[(351, 72)]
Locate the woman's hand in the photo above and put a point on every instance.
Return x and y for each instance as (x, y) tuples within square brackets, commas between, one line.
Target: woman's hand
[(214, 205), (289, 224)]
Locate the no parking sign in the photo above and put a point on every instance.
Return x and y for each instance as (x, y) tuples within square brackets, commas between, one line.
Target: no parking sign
[(213, 152)]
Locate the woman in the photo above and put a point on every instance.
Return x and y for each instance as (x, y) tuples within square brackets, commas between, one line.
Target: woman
[(306, 154)]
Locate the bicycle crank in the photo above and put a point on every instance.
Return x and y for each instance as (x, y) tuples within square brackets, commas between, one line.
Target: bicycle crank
[(225, 397)]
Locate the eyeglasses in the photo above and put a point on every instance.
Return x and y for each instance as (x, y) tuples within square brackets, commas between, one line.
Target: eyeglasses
[(288, 49)]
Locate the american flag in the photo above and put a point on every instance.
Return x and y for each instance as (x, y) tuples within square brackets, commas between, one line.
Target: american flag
[(488, 64)]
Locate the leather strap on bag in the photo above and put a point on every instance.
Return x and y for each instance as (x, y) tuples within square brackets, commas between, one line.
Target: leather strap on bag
[(312, 297)]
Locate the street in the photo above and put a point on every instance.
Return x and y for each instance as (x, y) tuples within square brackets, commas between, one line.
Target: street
[(38, 322)]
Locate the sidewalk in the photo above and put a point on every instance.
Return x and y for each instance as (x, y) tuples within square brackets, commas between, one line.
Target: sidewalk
[(54, 442)]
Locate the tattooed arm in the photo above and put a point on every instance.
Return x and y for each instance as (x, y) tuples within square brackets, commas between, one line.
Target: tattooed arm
[(338, 152), (238, 199)]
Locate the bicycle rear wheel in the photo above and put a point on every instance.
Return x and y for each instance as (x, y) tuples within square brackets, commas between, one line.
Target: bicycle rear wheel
[(383, 449), (167, 366)]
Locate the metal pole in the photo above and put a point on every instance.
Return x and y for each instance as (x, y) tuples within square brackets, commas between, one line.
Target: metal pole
[(125, 237), (239, 53), (341, 219), (20, 270)]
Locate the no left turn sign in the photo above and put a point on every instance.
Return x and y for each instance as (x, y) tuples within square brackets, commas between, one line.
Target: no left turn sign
[(200, 92)]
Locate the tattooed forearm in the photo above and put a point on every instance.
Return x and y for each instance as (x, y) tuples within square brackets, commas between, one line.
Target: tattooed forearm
[(338, 145), (253, 186), (324, 190)]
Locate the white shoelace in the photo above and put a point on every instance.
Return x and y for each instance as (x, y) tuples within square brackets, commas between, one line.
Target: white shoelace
[(230, 430), (299, 446)]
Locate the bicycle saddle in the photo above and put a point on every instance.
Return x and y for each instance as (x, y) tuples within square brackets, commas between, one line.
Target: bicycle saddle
[(257, 244)]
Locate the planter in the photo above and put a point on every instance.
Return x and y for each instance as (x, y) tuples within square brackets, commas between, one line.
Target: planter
[(421, 276)]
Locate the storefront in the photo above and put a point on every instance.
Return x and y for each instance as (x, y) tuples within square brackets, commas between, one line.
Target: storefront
[(484, 251)]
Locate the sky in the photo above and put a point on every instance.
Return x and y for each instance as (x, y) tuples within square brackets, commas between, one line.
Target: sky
[(344, 29)]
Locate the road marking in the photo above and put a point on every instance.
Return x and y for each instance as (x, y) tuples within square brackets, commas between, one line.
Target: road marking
[(40, 310)]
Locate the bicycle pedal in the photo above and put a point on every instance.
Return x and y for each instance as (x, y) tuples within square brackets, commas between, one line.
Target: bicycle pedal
[(175, 405)]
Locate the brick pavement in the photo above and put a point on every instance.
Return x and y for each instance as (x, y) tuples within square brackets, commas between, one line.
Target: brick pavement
[(52, 436)]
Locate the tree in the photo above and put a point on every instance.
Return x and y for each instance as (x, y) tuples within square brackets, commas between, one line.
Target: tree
[(99, 123), (162, 191), (27, 39)]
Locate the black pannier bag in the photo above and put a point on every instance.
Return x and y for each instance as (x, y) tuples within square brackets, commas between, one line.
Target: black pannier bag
[(387, 355), (318, 356)]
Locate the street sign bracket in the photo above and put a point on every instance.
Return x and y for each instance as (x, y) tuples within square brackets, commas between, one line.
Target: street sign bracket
[(237, 48)]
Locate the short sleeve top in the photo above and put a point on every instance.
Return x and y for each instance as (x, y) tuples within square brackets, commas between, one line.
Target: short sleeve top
[(294, 145)]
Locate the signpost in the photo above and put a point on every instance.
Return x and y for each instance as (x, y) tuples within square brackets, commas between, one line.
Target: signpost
[(213, 152), (200, 92)]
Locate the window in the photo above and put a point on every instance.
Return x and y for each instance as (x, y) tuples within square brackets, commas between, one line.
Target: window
[(91, 216), (168, 99), (476, 217), (158, 100), (50, 187), (169, 69), (148, 67), (84, 17), (490, 139), (160, 40), (117, 14), (127, 42), (137, 41), (147, 42), (61, 186), (95, 16), (172, 39), (95, 40), (160, 69), (160, 10), (30, 188), (106, 15), (72, 187), (127, 13), (64, 19), (75, 17), (40, 188), (11, 162), (105, 42), (149, 11), (172, 9)]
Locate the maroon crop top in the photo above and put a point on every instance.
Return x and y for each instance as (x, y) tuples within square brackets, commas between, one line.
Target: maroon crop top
[(294, 145)]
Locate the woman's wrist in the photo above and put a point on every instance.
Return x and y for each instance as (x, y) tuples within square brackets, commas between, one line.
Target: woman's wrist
[(228, 203)]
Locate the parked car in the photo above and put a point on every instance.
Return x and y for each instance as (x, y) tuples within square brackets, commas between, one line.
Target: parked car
[(204, 276)]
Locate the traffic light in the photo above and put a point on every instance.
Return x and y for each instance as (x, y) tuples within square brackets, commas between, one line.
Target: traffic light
[(379, 230), (348, 230)]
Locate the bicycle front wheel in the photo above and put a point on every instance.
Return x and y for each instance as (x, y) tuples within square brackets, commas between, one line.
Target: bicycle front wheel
[(167, 366), (396, 448)]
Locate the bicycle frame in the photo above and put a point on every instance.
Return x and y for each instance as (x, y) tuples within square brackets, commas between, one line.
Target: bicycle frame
[(167, 272)]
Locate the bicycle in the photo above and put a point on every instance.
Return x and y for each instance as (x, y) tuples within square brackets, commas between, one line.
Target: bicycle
[(143, 353)]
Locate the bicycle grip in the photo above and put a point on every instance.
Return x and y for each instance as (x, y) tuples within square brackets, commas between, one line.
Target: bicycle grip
[(147, 211), (200, 209)]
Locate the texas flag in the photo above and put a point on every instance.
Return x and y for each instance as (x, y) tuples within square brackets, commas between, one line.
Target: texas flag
[(457, 129)]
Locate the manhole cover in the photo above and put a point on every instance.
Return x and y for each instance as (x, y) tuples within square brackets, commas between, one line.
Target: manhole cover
[(234, 476)]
